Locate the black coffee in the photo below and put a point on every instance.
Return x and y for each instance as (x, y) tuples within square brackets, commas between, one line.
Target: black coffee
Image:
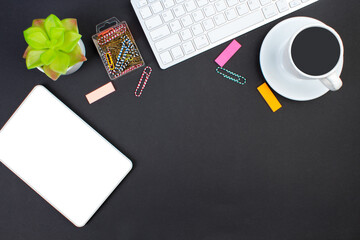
[(315, 51)]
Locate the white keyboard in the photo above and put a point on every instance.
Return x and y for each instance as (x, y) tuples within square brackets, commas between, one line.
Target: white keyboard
[(180, 29)]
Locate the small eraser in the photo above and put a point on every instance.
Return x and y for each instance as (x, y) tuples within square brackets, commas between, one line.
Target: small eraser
[(100, 93), (229, 51), (269, 97)]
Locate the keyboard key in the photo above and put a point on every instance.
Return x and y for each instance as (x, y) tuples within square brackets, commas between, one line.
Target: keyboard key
[(177, 52), (186, 34), (197, 29), (190, 5), (145, 12), (220, 5), (282, 5), (253, 4), (156, 7), (220, 19), (175, 25), (198, 15), (208, 24), (167, 16), (230, 14), (232, 2), (168, 3), (179, 11), (236, 26), (186, 21), (264, 2), (209, 10), (295, 3), (166, 58), (160, 33), (153, 22), (141, 3), (201, 2), (201, 42), (188, 48), (270, 11), (242, 9), (179, 29), (167, 42)]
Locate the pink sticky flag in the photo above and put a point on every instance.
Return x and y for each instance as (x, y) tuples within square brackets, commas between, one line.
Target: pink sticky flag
[(100, 92), (228, 53)]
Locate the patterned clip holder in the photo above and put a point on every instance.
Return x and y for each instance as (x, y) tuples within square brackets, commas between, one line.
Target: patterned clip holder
[(117, 48)]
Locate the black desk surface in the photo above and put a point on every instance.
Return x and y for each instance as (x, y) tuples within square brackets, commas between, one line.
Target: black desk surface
[(211, 161)]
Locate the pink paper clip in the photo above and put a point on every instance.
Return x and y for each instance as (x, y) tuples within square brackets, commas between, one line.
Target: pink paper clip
[(147, 76)]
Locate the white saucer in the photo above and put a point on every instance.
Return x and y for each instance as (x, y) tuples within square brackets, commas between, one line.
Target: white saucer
[(278, 78)]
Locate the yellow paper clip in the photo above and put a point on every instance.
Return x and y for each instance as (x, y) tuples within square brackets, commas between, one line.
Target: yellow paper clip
[(110, 61)]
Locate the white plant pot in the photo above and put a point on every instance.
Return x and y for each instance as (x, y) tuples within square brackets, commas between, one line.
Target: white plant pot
[(77, 66)]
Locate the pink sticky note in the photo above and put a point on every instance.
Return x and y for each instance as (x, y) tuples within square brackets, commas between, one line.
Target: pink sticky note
[(228, 53), (100, 92)]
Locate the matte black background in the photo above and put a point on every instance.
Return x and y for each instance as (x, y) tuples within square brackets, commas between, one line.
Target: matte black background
[(211, 161)]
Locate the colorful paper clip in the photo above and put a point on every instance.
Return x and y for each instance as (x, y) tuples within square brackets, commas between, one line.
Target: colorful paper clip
[(147, 72), (117, 48), (229, 75), (123, 58), (133, 50), (109, 61), (111, 34), (120, 60)]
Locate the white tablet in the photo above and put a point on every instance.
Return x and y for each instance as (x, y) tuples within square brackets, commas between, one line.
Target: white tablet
[(61, 157)]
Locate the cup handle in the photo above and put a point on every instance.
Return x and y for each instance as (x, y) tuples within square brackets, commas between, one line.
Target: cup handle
[(332, 82)]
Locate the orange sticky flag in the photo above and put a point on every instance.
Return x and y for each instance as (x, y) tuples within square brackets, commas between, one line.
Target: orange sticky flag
[(269, 97)]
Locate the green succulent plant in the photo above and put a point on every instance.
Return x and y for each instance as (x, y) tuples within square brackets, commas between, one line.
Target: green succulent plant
[(53, 45)]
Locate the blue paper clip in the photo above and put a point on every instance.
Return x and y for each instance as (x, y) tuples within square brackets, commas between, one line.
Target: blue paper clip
[(229, 75)]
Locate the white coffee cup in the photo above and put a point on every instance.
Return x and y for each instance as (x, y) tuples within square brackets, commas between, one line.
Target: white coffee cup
[(330, 79)]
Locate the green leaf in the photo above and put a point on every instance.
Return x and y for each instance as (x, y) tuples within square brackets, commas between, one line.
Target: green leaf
[(39, 23), (60, 63), (56, 33), (36, 38), (50, 73), (76, 56), (48, 57), (26, 52), (33, 59), (52, 21), (57, 37), (70, 24), (71, 39), (31, 30)]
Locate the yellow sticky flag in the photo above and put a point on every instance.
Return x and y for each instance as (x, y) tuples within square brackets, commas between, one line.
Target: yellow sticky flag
[(269, 97)]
